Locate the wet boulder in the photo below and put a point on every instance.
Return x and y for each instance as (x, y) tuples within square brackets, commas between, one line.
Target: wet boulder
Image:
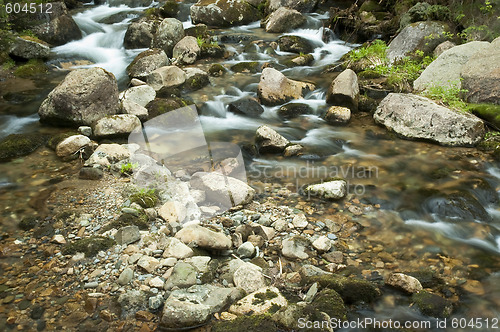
[(169, 33), (29, 48), (147, 62), (224, 13), (293, 110), (195, 79), (446, 69), (295, 44), (166, 77), (140, 34), (58, 26), (116, 125), (247, 106), (481, 75), (344, 90), (275, 88), (337, 115), (268, 140), (187, 50), (423, 36), (416, 117), (84, 96), (283, 20), (303, 6)]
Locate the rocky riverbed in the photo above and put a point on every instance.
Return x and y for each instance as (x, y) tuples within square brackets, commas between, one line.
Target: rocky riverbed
[(234, 165)]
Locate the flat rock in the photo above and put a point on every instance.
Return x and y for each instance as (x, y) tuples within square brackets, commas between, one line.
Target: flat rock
[(127, 235), (249, 278), (417, 117), (175, 248), (116, 125), (204, 238), (295, 247)]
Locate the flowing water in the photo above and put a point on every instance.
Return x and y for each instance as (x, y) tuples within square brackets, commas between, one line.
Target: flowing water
[(408, 180)]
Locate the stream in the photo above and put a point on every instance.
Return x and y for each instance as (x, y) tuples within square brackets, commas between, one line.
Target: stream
[(411, 182)]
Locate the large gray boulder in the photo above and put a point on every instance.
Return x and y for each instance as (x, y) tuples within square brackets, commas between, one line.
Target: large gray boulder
[(140, 34), (275, 88), (166, 77), (222, 189), (147, 62), (57, 27), (84, 96), (269, 140), (445, 70), (187, 50), (194, 306), (224, 13), (29, 48), (423, 36), (344, 90), (481, 75), (303, 6), (417, 117), (283, 20), (169, 33)]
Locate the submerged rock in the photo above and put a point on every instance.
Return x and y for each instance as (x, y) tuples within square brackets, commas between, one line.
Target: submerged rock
[(17, 145), (84, 96), (432, 304), (417, 117)]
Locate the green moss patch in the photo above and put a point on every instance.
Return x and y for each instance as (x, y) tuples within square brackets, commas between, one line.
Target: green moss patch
[(32, 68), (90, 246), (351, 290), (17, 145), (488, 112), (145, 198), (432, 304), (161, 106), (216, 70), (170, 9), (260, 298), (128, 219), (246, 323), (327, 301), (246, 67)]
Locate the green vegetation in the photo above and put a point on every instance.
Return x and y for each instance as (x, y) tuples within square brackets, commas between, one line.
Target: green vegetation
[(375, 50), (32, 68), (140, 220), (449, 96), (145, 198), (253, 323), (128, 168), (17, 145)]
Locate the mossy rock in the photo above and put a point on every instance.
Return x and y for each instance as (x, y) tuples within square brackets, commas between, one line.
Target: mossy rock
[(295, 44), (370, 6), (28, 223), (128, 219), (293, 110), (170, 9), (247, 323), (18, 145), (327, 301), (488, 112), (216, 70), (198, 31), (33, 67), (161, 106), (212, 50), (89, 246), (351, 290), (246, 67), (152, 13), (196, 82), (58, 138), (146, 199), (66, 215), (427, 278), (301, 60), (367, 104), (432, 304), (489, 143)]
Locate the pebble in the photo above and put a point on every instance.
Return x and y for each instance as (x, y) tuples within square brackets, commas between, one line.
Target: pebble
[(93, 284)]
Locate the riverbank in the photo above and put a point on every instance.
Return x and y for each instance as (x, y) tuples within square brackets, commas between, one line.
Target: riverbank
[(406, 229)]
